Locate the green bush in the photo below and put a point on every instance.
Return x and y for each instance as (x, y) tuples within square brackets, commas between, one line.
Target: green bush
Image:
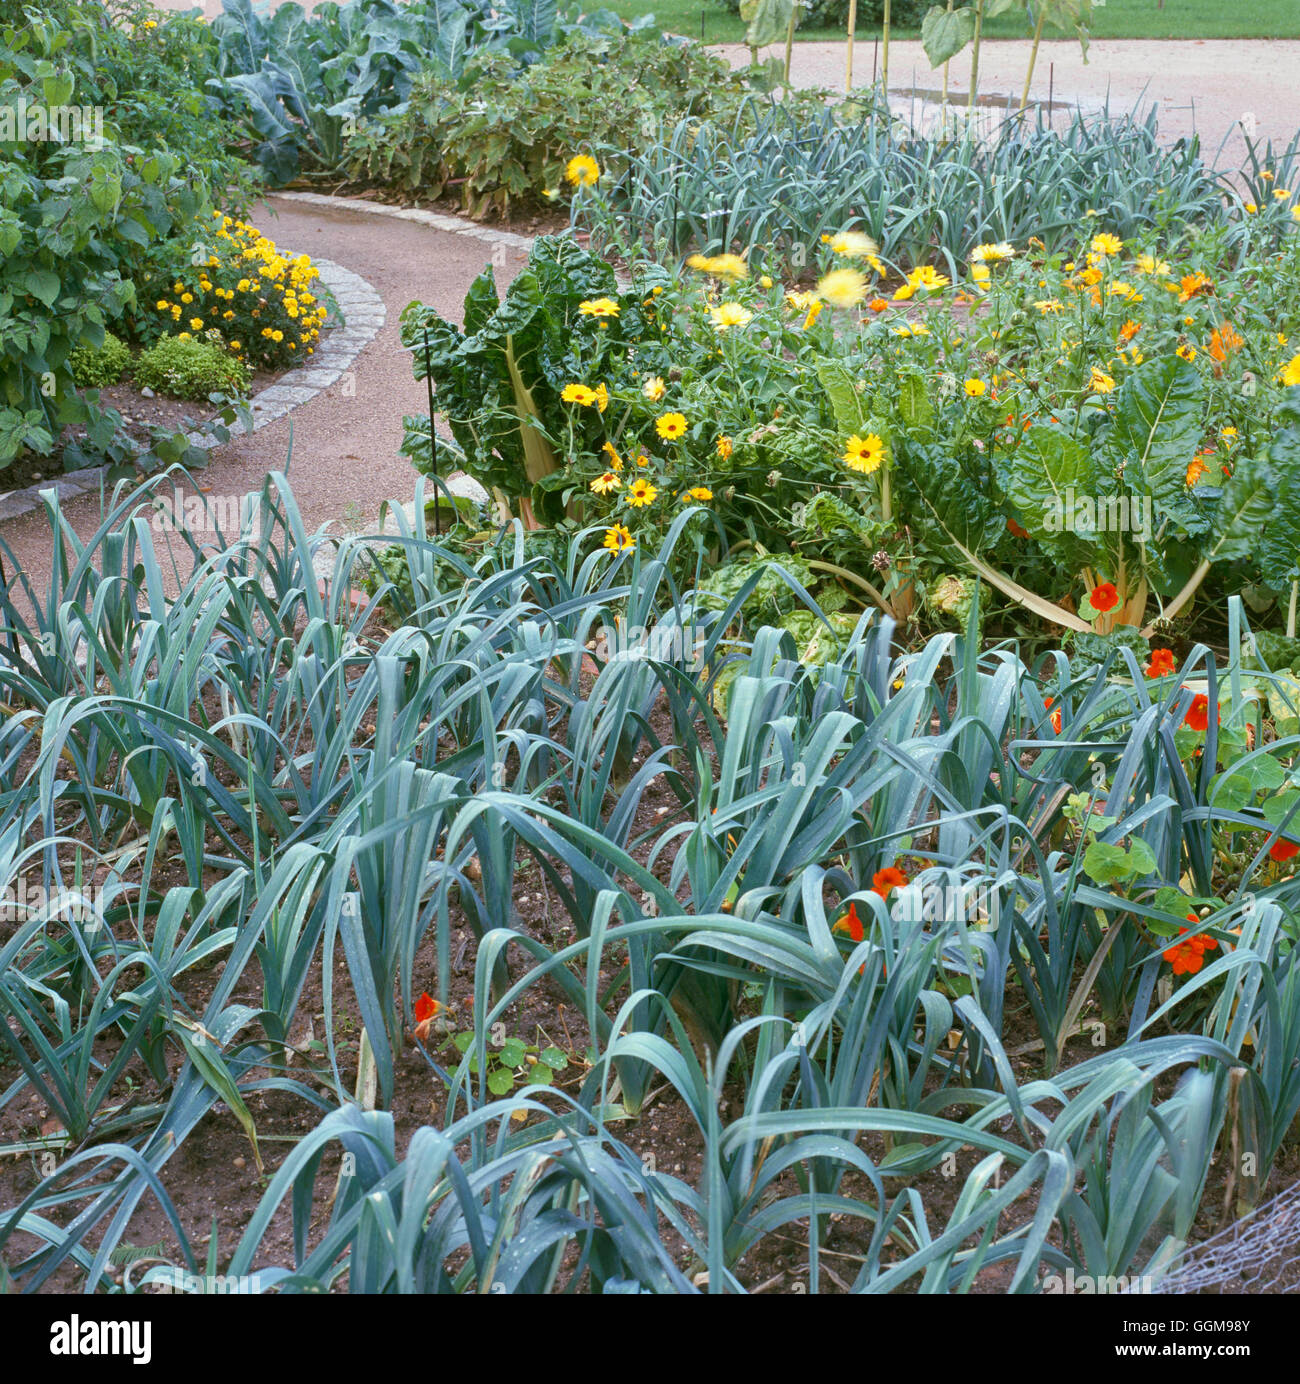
[(505, 134), (81, 215), (190, 369), (94, 368)]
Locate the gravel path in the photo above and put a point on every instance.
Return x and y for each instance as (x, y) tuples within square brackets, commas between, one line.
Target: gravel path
[(345, 440), (1200, 86)]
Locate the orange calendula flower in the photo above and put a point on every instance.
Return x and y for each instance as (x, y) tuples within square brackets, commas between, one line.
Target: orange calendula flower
[(1224, 339), (725, 447), (1129, 330), (878, 304), (1104, 597), (1161, 664), (1196, 468), (1191, 285)]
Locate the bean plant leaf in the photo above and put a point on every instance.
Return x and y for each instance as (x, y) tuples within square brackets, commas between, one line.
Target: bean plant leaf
[(944, 33)]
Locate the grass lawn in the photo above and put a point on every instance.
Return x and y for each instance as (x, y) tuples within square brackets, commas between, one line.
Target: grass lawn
[(1117, 19)]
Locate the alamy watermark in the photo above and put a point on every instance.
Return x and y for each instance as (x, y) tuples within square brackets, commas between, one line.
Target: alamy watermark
[(30, 122), (1087, 514)]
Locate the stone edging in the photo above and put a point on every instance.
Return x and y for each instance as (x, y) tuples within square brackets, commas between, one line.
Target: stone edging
[(364, 314), (454, 224)]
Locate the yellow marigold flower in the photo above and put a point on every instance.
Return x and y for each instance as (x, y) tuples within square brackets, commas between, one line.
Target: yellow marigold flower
[(1291, 372), (927, 277), (640, 492), (578, 394), (670, 426), (975, 388), (853, 245), (864, 453), (730, 315), (725, 447), (277, 337), (236, 345), (184, 336), (196, 324), (701, 493), (227, 315), (187, 297), (162, 305), (599, 307), (1106, 244), (606, 483), (654, 388), (842, 288), (618, 539), (983, 254), (1100, 382)]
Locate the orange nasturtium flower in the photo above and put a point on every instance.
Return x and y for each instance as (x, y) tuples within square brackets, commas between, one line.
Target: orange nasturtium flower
[(1056, 715), (851, 924), (1283, 850), (1104, 597), (1198, 714), (891, 877), (1187, 958), (427, 1010), (1162, 663)]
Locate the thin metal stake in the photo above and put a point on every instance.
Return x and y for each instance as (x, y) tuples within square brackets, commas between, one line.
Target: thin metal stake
[(433, 440)]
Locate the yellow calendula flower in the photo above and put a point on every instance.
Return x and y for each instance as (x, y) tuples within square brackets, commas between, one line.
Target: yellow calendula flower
[(640, 493), (604, 485), (1186, 353), (1281, 193), (1100, 382), (602, 397), (765, 281), (1047, 305), (729, 267), (903, 292), (615, 461), (864, 453), (670, 426), (1149, 264), (984, 254), (1251, 208), (654, 389), (701, 493), (1291, 372), (725, 447), (1106, 244), (853, 245), (842, 288), (730, 315), (599, 307), (582, 170), (915, 329), (578, 394), (975, 388), (618, 539), (926, 276)]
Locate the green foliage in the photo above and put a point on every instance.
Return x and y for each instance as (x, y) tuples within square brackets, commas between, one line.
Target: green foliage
[(300, 84), (132, 160), (190, 369), (92, 369), (834, 13), (373, 788), (503, 132)]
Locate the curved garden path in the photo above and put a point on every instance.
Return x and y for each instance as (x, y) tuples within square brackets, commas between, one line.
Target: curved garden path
[(345, 439)]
